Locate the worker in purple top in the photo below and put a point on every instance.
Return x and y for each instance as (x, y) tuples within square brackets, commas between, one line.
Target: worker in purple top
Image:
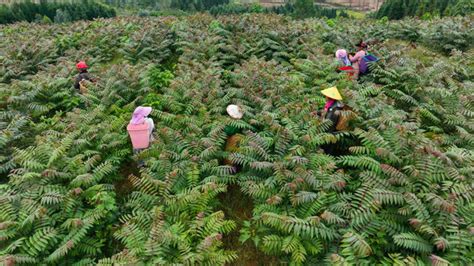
[(357, 58)]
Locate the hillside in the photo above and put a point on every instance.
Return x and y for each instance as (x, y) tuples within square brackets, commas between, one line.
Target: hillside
[(371, 5), (395, 188), (368, 5)]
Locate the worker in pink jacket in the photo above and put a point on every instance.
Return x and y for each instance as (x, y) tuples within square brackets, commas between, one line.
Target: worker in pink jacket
[(140, 116), (141, 129), (357, 58)]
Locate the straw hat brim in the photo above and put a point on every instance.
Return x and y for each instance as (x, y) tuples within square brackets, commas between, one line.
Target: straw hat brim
[(332, 93)]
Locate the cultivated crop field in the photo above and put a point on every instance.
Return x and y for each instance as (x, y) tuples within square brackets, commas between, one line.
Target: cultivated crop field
[(399, 191)]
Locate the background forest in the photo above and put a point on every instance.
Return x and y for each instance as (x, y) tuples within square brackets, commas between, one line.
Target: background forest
[(45, 11), (52, 11)]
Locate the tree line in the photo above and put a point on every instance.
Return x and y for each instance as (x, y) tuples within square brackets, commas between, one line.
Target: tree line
[(54, 11), (397, 9), (186, 5), (300, 9)]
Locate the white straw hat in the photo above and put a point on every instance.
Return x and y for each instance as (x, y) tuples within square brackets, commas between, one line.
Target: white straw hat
[(234, 111)]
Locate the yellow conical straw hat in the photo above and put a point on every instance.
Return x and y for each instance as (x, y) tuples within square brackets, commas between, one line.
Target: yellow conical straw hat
[(332, 93)]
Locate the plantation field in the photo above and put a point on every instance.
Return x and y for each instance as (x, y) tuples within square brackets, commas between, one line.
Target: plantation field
[(397, 191)]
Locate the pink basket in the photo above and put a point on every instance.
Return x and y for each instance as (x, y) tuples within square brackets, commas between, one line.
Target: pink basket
[(139, 135)]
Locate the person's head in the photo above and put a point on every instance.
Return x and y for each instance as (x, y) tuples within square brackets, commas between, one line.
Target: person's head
[(341, 53), (81, 66), (140, 114), (332, 94), (361, 46), (235, 111)]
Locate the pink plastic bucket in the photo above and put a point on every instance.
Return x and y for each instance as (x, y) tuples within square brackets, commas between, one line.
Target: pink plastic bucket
[(139, 135)]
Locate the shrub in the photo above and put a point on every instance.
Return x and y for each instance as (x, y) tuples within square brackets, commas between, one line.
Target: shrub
[(62, 16), (397, 9), (448, 36)]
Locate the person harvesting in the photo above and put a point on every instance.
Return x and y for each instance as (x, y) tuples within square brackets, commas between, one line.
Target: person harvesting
[(357, 58), (341, 58), (333, 107), (233, 134), (82, 76)]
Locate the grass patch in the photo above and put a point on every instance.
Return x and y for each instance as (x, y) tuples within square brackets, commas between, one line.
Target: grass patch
[(356, 14)]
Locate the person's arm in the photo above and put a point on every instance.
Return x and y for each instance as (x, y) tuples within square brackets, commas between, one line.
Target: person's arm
[(150, 122), (355, 58), (77, 84), (88, 77)]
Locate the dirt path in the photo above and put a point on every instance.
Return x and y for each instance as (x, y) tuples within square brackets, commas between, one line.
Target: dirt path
[(238, 207), (123, 187)]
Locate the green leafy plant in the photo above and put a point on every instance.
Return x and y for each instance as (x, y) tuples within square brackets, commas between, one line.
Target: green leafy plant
[(398, 191)]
